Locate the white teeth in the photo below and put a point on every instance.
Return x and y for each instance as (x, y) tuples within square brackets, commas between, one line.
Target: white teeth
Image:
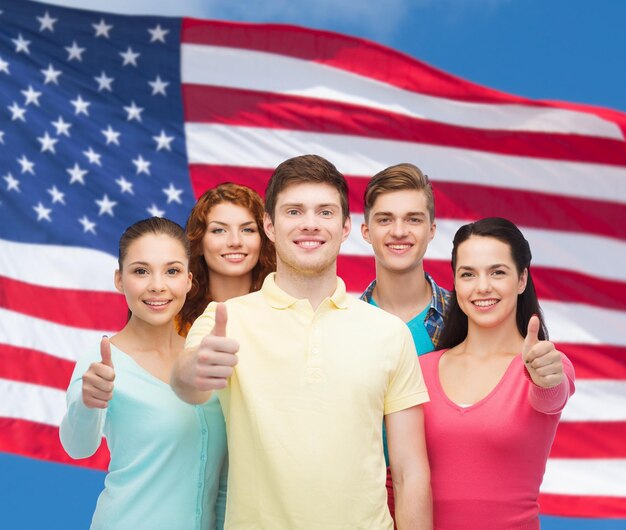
[(309, 244), (399, 247), (235, 256), (484, 303), (157, 303)]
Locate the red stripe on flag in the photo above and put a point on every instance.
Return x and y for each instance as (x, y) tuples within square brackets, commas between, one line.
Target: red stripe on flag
[(596, 361), (582, 506), (37, 440), (552, 212), (70, 307), (31, 366), (240, 107), (592, 439)]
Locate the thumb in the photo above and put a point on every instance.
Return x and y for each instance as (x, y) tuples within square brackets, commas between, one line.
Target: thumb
[(105, 351), (532, 336), (221, 317)]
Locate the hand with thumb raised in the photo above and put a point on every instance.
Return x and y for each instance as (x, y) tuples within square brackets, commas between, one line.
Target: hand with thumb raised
[(542, 360), (213, 362), (98, 379)]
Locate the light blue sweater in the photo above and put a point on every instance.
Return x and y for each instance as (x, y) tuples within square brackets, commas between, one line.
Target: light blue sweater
[(168, 464)]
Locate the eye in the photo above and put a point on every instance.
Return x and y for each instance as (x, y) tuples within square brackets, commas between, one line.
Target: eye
[(415, 220), (465, 274), (499, 272), (292, 211), (140, 271), (383, 220), (249, 230), (173, 271), (218, 230), (326, 213)]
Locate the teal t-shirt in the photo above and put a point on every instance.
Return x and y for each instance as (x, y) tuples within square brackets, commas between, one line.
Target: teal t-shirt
[(423, 344)]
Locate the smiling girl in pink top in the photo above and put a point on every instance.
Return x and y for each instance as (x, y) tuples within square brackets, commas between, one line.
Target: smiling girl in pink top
[(497, 388)]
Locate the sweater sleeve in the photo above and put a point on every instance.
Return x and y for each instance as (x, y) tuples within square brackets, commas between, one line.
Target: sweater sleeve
[(220, 503), (81, 428), (552, 400)]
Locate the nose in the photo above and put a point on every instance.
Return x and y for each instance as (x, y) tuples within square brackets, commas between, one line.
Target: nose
[(157, 284), (234, 238), (398, 228), (483, 285), (309, 222)]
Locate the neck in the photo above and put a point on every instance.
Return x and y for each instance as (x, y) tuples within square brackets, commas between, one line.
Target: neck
[(224, 288), (482, 341), (404, 294), (315, 287), (139, 336)]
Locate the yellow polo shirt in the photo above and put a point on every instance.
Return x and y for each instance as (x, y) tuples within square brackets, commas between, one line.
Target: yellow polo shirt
[(305, 405)]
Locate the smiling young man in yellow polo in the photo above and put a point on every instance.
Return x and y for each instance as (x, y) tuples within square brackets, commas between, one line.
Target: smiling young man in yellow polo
[(307, 374)]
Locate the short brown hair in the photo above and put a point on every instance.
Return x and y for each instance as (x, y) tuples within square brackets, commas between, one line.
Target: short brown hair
[(305, 169), (400, 177)]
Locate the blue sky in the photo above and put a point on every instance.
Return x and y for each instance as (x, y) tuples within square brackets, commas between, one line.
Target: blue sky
[(571, 50)]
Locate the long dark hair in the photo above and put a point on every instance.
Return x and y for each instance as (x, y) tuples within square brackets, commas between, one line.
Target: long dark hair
[(455, 327)]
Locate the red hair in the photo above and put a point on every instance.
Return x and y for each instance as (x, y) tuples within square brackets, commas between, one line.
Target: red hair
[(200, 294)]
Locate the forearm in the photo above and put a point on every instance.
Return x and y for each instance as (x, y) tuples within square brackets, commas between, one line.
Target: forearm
[(552, 400), (81, 429), (413, 502)]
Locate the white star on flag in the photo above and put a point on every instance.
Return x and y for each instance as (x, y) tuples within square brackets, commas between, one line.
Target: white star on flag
[(77, 174), (106, 205), (163, 141), (47, 22), (158, 34), (57, 196), (88, 226), (143, 166), (173, 194), (134, 112), (12, 182), (1, 137), (130, 57), (125, 186), (42, 212), (21, 44), (104, 82), (4, 66), (27, 165), (47, 143), (93, 157), (17, 112), (51, 75), (31, 95), (154, 211), (158, 86), (102, 29), (75, 52), (111, 136), (62, 127), (80, 105)]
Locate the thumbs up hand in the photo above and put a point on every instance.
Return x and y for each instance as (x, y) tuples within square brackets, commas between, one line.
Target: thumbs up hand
[(542, 360), (98, 379), (213, 362)]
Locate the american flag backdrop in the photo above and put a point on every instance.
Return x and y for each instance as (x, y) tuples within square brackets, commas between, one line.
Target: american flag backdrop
[(107, 119)]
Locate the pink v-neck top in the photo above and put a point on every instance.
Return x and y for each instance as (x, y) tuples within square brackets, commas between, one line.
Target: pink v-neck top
[(487, 460)]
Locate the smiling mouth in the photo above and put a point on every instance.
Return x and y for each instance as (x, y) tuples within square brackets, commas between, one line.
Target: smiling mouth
[(156, 303), (235, 256), (309, 243), (485, 303), (399, 247)]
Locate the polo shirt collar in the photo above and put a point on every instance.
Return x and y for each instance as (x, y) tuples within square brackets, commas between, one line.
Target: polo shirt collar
[(279, 299)]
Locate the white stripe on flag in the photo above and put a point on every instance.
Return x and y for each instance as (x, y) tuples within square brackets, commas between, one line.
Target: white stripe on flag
[(597, 400), (37, 403), (268, 72), (569, 476), (355, 155)]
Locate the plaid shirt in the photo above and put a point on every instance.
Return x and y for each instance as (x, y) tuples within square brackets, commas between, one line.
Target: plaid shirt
[(439, 304)]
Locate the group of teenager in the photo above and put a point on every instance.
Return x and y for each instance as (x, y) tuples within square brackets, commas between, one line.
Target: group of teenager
[(249, 390)]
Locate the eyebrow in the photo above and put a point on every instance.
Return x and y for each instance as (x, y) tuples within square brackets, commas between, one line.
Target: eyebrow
[(147, 264), (221, 223), (302, 205), (407, 214), (494, 266)]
